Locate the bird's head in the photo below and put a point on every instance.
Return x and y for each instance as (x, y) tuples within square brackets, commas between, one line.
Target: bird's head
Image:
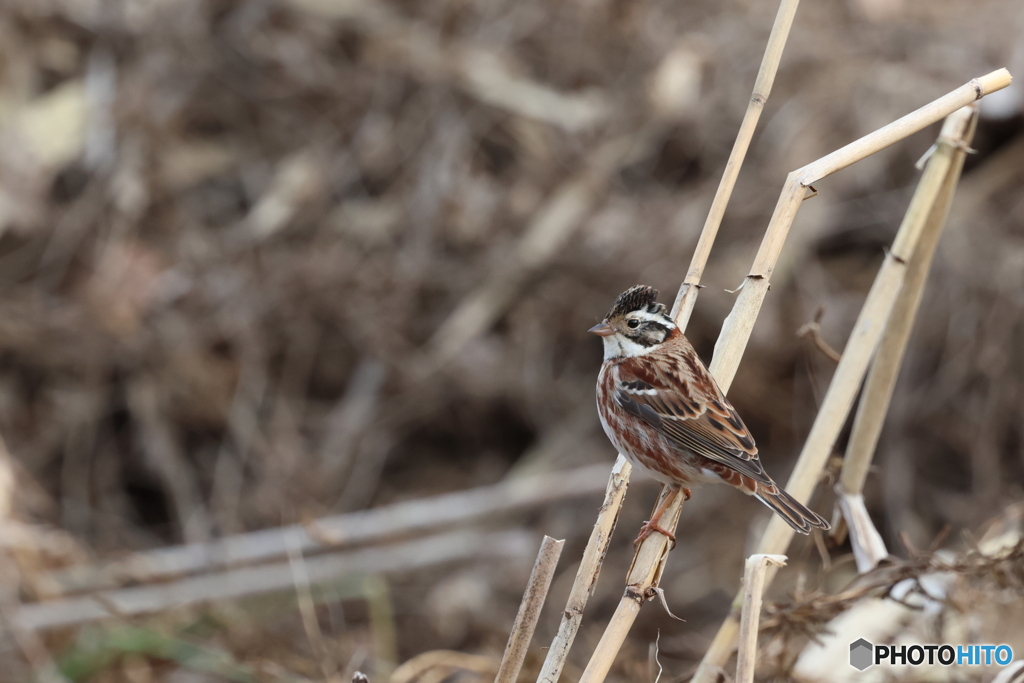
[(635, 325)]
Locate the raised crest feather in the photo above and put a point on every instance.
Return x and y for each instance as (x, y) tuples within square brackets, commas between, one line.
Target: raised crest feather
[(637, 297)]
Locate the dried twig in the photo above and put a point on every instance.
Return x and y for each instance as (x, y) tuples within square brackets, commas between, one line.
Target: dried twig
[(812, 331), (529, 610), (806, 616), (586, 576), (753, 587), (165, 456), (350, 417), (307, 610), (12, 633), (643, 576)]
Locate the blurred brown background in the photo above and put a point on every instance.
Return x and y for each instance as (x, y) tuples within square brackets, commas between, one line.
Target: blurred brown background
[(266, 260)]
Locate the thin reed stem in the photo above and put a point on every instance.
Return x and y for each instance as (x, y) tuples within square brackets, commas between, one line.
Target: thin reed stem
[(643, 577), (753, 588), (740, 322), (868, 546), (529, 610), (863, 340), (589, 571), (649, 561), (687, 295)]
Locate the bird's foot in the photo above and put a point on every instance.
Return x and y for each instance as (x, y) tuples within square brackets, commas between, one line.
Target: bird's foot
[(649, 528)]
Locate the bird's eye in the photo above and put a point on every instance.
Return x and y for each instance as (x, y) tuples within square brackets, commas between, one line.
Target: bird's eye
[(633, 323)]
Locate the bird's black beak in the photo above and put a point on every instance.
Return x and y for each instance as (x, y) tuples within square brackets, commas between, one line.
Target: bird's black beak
[(602, 330)]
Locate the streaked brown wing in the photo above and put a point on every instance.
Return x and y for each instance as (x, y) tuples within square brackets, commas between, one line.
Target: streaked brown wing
[(695, 416)]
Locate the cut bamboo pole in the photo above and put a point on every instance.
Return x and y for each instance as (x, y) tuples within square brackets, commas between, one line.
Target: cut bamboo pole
[(863, 340), (529, 610), (753, 589), (588, 573), (868, 546), (687, 295)]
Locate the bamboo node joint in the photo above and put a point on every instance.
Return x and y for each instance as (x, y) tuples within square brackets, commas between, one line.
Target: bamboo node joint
[(635, 595)]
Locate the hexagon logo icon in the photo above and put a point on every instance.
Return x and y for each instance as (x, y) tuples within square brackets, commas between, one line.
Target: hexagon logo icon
[(861, 654)]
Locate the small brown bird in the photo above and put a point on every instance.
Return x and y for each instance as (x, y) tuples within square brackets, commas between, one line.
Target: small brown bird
[(662, 409)]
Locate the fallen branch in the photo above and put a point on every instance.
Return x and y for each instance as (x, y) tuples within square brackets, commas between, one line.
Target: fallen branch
[(458, 546), (329, 532)]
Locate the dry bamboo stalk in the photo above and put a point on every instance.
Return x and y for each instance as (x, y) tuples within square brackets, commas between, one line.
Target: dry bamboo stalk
[(459, 546), (589, 571), (937, 110), (682, 309), (329, 532), (529, 610), (861, 346), (848, 375), (738, 324), (687, 295), (753, 588), (874, 402), (649, 561), (641, 581)]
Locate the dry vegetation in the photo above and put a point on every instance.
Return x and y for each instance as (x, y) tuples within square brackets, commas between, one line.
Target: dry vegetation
[(265, 261)]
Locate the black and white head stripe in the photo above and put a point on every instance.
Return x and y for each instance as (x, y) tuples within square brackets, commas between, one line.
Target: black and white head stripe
[(636, 298)]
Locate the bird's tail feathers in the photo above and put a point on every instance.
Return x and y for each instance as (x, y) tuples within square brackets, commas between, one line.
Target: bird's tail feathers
[(793, 511)]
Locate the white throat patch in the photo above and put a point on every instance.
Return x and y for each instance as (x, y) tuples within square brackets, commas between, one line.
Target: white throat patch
[(619, 346)]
